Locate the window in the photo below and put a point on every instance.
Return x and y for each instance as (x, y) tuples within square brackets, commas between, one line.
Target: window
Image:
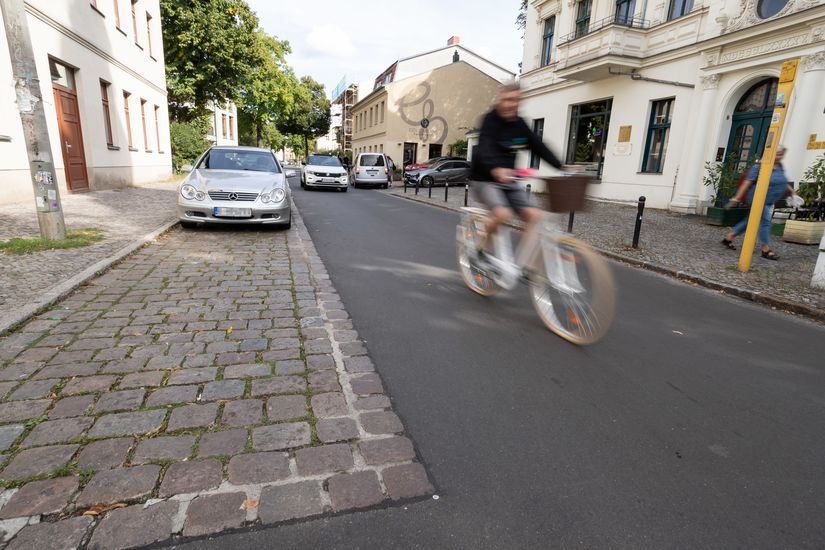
[(223, 125), (382, 112), (370, 117), (149, 34), (134, 21), (107, 119), (588, 133), (624, 12), (538, 129), (583, 17), (678, 8), (128, 119), (61, 74), (769, 8), (657, 134), (547, 40), (117, 13), (157, 128), (231, 127), (143, 121)]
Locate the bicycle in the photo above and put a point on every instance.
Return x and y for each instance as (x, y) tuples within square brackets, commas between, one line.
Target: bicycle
[(571, 286)]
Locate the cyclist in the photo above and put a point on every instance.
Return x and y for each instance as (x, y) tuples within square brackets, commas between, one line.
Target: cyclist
[(503, 134)]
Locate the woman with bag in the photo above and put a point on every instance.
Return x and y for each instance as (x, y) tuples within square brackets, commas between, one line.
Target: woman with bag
[(777, 189)]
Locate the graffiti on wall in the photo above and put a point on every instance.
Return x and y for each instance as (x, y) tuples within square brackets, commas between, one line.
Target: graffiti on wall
[(418, 110)]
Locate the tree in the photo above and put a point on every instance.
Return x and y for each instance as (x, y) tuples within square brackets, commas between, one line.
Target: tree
[(188, 140), (310, 114), (250, 133), (521, 18), (211, 47), (268, 94)]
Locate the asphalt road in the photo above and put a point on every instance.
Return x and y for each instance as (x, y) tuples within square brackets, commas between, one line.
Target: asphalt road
[(698, 422)]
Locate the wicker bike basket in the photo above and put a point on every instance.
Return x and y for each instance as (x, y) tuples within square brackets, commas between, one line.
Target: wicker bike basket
[(565, 193)]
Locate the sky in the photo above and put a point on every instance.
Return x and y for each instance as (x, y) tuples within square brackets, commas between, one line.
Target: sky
[(358, 39)]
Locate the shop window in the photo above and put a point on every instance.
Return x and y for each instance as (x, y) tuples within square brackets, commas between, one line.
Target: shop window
[(588, 133), (538, 129), (658, 131)]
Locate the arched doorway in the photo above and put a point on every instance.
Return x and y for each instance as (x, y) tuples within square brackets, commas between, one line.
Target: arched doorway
[(751, 121)]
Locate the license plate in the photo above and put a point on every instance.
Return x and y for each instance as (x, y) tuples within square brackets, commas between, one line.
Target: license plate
[(327, 180), (372, 172), (228, 212)]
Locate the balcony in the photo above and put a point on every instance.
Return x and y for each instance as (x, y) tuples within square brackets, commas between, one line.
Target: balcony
[(621, 44)]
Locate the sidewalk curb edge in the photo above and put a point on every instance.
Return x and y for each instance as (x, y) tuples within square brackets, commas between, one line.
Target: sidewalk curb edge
[(10, 321)]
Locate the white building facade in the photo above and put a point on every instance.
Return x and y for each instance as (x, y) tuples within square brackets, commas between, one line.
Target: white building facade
[(645, 93), (224, 124), (103, 83)]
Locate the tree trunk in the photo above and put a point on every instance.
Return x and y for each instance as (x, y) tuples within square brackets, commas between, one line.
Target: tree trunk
[(259, 135), (306, 145)]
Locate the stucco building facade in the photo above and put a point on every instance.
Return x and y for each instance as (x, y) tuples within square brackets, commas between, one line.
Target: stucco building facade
[(643, 94), (102, 78)]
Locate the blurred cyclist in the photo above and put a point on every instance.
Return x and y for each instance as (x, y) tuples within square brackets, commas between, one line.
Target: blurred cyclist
[(503, 134)]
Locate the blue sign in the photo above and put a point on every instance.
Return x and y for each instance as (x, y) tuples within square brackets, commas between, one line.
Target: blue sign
[(339, 89)]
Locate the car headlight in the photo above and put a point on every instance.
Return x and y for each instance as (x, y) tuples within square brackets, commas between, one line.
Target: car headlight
[(344, 178), (188, 192), (278, 195), (265, 197), (310, 176)]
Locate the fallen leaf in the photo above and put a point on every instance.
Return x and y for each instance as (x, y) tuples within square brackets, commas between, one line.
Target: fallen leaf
[(247, 504), (678, 332), (229, 330)]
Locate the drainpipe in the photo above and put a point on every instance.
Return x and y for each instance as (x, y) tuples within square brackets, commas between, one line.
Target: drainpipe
[(636, 76)]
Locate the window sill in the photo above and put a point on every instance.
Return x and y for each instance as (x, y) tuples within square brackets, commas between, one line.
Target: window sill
[(113, 148), (152, 57), (100, 13), (139, 46), (6, 139), (122, 31), (161, 152), (147, 150), (133, 149), (650, 173)]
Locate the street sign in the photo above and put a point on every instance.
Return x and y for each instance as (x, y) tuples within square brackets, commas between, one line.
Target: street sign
[(783, 96), (339, 89)]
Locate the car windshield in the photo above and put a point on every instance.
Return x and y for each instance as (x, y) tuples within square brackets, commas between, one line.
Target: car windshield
[(319, 160), (231, 159), (371, 160)]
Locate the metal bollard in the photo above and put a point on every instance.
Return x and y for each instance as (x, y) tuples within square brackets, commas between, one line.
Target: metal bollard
[(638, 227), (466, 193), (570, 222), (446, 190), (405, 183), (529, 188), (430, 191), (417, 183)]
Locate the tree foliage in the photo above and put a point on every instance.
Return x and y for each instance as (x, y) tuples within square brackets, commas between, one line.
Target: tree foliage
[(188, 140), (521, 18), (210, 47), (310, 115)]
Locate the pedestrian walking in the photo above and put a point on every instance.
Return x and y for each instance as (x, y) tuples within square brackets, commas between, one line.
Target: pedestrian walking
[(777, 189)]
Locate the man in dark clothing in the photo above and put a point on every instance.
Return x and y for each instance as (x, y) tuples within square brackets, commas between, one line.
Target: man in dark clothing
[(503, 134)]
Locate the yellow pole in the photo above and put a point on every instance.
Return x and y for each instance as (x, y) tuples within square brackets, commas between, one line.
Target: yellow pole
[(783, 97)]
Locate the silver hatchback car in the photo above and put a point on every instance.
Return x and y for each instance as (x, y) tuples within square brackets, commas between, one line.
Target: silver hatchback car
[(372, 169), (235, 185)]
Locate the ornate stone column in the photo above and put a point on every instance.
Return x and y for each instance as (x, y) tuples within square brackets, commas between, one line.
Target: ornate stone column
[(806, 103), (695, 151)]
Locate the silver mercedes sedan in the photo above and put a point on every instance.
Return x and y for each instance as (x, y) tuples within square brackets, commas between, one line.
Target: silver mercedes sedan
[(235, 185)]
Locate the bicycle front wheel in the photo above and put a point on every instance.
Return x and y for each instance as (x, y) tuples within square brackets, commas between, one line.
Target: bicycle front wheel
[(573, 291), (469, 235)]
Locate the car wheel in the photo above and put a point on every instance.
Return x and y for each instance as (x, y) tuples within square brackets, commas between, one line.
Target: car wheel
[(344, 189), (427, 181), (188, 225), (288, 224)]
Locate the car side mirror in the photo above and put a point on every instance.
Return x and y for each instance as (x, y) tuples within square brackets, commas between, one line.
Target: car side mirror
[(186, 168), (290, 173), (303, 163)]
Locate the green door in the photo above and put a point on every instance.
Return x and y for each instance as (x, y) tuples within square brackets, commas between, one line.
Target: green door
[(751, 121)]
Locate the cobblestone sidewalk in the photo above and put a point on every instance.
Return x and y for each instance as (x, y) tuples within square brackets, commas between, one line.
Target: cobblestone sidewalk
[(211, 381), (681, 243), (123, 215)]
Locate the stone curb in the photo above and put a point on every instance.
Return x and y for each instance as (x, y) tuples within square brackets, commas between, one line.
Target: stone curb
[(11, 320), (747, 294)]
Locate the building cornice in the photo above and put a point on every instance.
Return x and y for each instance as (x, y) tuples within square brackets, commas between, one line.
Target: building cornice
[(70, 34)]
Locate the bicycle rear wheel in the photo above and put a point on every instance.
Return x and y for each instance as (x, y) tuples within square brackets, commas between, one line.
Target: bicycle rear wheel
[(578, 305), (469, 234)]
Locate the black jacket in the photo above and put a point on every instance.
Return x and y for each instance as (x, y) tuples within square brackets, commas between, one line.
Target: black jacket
[(498, 143)]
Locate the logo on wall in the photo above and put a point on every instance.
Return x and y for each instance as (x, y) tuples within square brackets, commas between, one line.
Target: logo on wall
[(431, 128)]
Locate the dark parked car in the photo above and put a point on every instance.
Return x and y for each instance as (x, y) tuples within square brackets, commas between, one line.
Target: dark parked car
[(453, 172), (428, 163)]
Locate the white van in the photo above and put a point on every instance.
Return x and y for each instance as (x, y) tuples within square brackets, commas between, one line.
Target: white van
[(371, 169)]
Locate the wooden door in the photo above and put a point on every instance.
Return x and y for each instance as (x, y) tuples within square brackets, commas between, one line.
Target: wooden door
[(71, 139)]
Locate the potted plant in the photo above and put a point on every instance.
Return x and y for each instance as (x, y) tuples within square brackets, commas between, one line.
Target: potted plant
[(723, 179), (807, 224)]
